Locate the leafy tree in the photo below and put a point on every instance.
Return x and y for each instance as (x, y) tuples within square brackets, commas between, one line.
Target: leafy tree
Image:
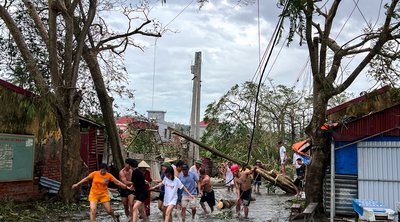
[(70, 31), (313, 23), (280, 116)]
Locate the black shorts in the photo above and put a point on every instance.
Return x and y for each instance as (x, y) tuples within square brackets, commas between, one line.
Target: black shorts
[(209, 198), (245, 196), (298, 182), (161, 196), (125, 192), (141, 195), (257, 182)]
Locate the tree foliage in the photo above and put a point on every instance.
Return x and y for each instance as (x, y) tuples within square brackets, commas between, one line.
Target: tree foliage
[(59, 43), (282, 115), (374, 45)]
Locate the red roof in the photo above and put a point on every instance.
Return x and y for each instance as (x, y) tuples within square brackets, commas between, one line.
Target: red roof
[(125, 120), (15, 88), (356, 100), (385, 122), (203, 123)]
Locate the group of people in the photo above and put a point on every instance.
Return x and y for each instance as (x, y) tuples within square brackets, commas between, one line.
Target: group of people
[(179, 187), (134, 189), (243, 180)]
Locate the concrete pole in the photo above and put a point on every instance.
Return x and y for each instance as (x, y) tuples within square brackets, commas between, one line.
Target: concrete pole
[(191, 150), (198, 93), (195, 114)]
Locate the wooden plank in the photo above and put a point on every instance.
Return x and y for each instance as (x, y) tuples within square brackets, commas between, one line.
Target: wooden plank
[(310, 208)]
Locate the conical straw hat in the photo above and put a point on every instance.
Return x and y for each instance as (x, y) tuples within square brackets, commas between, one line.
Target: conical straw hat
[(143, 164)]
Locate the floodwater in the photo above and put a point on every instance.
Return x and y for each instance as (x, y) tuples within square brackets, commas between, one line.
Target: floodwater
[(266, 207)]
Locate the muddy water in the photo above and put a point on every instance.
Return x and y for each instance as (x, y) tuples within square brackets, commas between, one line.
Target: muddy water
[(266, 207)]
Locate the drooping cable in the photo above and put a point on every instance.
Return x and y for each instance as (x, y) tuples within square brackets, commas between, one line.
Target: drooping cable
[(275, 38)]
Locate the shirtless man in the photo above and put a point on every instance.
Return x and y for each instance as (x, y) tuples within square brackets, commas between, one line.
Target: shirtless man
[(125, 175), (206, 191), (243, 182)]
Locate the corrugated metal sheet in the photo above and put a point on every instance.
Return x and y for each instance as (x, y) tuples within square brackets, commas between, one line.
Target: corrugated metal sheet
[(379, 171), (346, 190), (369, 125)]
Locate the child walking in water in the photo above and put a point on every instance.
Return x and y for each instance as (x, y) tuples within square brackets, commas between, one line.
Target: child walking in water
[(171, 184)]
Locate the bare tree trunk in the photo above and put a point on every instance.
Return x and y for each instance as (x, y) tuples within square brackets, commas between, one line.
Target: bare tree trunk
[(320, 151), (90, 56), (71, 163)]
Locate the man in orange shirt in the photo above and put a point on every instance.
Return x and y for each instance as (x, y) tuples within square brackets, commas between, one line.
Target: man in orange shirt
[(99, 191)]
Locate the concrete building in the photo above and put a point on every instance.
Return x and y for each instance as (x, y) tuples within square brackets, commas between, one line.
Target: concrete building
[(158, 117)]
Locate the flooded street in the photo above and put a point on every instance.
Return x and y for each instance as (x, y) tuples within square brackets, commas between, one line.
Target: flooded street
[(266, 207)]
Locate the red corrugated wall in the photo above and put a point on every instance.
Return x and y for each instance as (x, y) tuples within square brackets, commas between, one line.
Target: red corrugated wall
[(384, 123)]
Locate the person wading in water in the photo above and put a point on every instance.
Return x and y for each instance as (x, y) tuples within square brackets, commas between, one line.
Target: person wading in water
[(99, 190), (206, 191), (125, 175), (243, 182)]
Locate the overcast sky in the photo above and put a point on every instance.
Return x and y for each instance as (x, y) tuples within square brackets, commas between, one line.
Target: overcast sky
[(227, 35)]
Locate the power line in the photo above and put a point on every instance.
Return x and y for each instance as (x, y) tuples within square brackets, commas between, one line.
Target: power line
[(155, 49), (154, 72), (179, 13), (259, 30), (275, 38), (276, 58), (362, 14)]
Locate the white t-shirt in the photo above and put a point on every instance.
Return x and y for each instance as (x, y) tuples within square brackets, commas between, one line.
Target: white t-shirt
[(171, 190), (282, 154), (295, 157)]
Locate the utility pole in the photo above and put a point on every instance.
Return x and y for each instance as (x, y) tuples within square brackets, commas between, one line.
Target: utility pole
[(195, 116)]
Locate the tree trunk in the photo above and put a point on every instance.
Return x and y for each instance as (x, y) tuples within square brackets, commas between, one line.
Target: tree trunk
[(284, 182), (320, 151), (90, 56), (71, 163)]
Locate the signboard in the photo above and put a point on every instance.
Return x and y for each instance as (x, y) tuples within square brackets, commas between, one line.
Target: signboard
[(16, 157)]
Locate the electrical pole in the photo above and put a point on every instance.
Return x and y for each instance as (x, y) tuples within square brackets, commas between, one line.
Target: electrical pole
[(195, 116)]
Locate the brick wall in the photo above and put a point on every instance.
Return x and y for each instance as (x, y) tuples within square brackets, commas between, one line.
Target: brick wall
[(47, 163), (19, 190)]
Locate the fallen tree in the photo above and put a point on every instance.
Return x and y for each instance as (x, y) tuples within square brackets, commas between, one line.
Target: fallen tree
[(283, 182)]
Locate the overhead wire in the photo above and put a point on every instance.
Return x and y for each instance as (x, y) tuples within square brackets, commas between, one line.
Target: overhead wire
[(155, 49), (276, 57), (259, 30), (275, 38), (362, 14)]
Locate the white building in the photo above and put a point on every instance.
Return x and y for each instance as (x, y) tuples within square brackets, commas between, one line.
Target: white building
[(159, 118)]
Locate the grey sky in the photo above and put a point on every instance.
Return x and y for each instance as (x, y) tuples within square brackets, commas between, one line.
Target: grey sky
[(227, 36)]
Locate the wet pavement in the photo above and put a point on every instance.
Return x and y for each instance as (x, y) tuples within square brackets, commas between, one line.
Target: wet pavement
[(266, 207)]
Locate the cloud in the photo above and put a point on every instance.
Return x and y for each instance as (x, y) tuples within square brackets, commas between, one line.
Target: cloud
[(227, 36)]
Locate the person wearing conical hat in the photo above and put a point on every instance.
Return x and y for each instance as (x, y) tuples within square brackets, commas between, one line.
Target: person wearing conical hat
[(144, 167)]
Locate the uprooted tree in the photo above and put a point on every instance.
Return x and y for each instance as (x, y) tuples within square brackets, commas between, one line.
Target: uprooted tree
[(70, 32), (275, 178)]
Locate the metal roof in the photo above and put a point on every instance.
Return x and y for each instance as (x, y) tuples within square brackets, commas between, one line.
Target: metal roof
[(385, 122)]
